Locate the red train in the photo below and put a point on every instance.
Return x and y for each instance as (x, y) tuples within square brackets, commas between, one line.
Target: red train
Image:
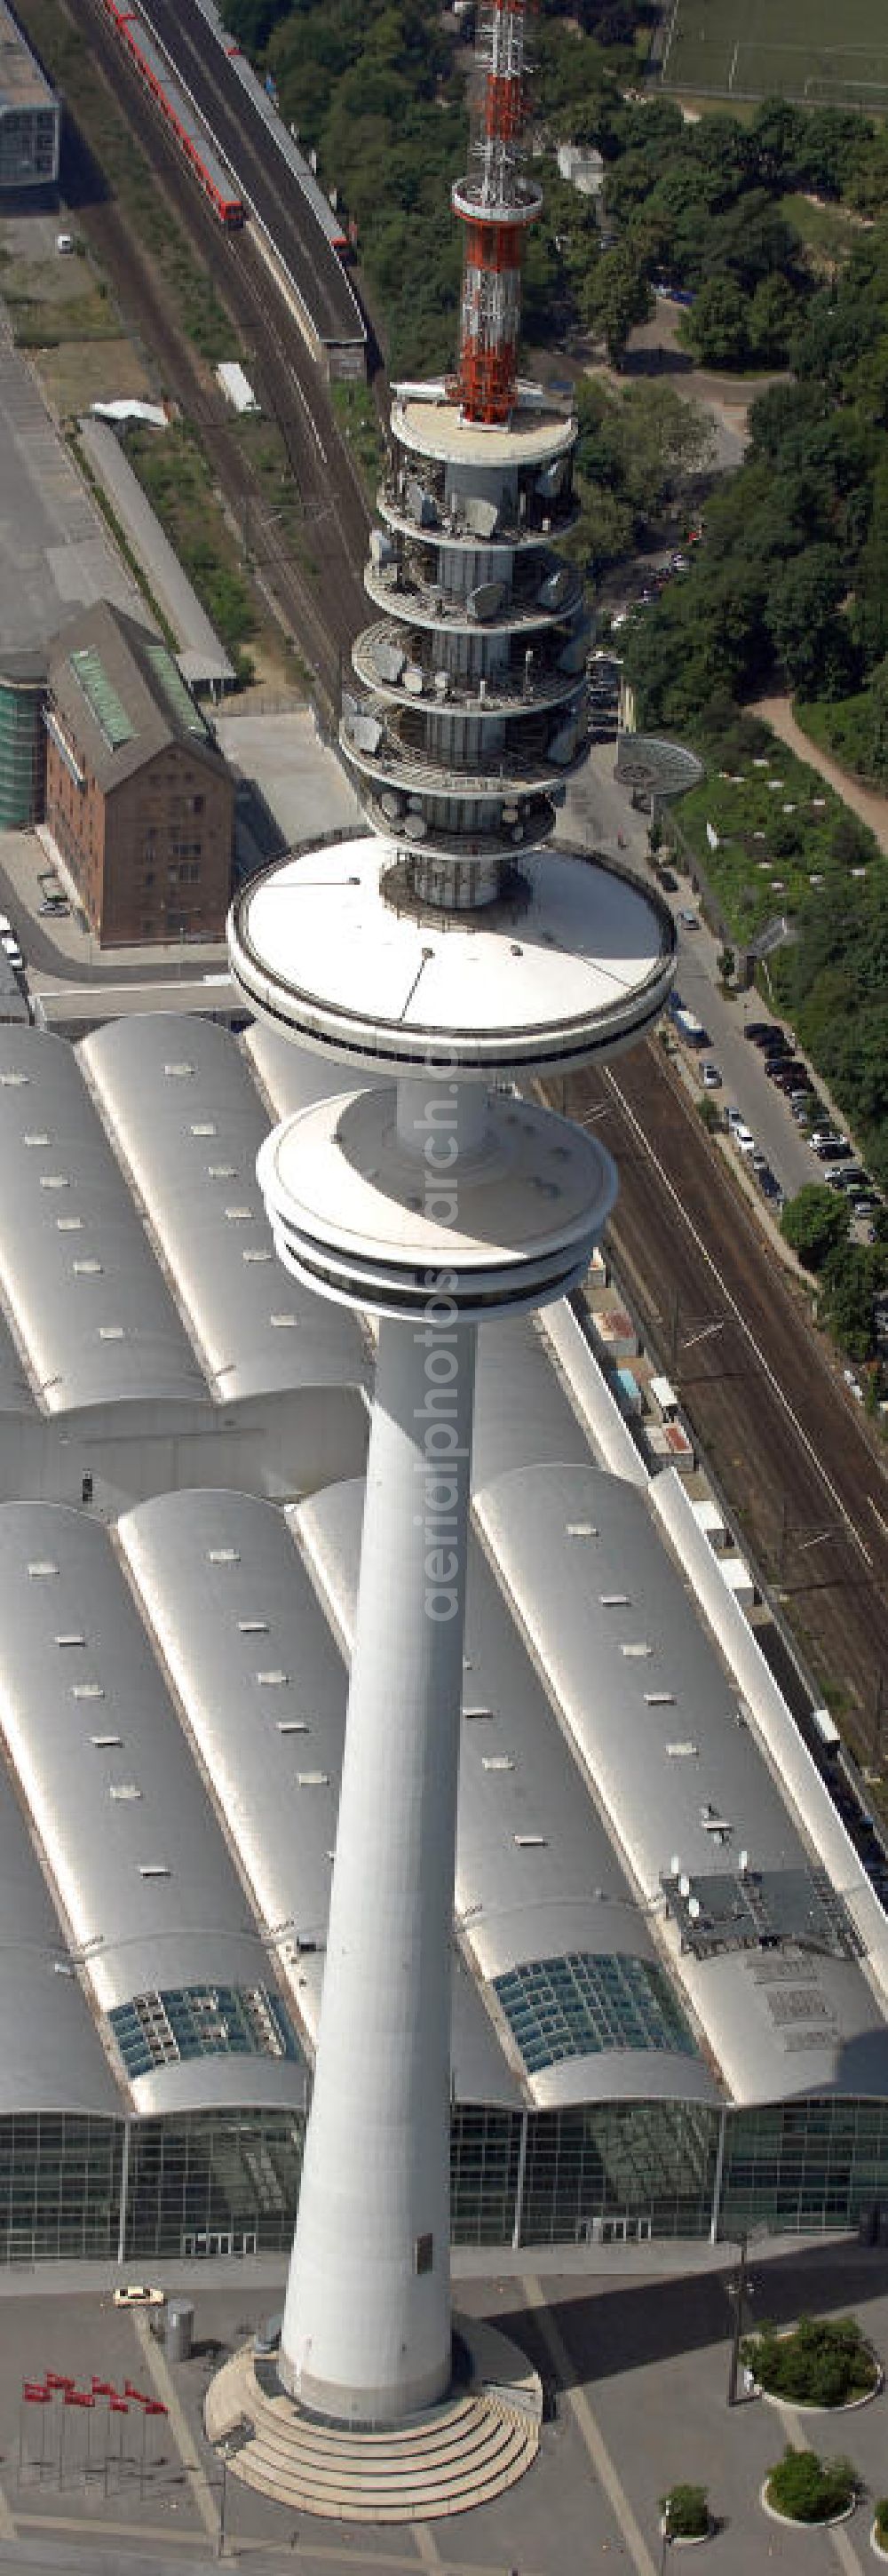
[(154, 70)]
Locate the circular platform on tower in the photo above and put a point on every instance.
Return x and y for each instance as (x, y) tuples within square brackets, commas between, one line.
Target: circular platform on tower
[(370, 1220), (432, 425), (575, 960), (466, 2451)]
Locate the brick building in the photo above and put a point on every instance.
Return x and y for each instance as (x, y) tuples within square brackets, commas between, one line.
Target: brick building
[(138, 795)]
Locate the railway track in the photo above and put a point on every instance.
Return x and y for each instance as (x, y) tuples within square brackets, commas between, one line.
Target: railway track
[(320, 603), (756, 1385)]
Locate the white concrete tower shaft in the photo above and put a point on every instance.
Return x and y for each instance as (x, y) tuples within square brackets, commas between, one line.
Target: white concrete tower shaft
[(367, 2321)]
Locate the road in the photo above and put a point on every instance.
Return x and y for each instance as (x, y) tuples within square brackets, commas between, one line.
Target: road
[(597, 813), (745, 1083)]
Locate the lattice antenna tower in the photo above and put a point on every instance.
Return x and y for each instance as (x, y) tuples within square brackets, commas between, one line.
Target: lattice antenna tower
[(496, 202)]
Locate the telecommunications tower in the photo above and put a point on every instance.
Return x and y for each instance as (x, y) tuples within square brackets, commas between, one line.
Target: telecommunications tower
[(442, 960)]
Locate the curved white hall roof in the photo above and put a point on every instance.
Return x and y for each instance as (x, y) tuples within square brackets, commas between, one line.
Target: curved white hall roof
[(136, 1857), (673, 1759), (87, 1302), (187, 1124)]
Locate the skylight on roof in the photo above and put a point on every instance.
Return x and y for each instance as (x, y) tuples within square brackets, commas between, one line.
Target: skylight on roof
[(578, 2005), (103, 700), (178, 698)]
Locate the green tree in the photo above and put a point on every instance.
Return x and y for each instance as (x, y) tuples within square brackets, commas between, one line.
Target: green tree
[(809, 2489), (685, 2512), (800, 614), (717, 327), (617, 296), (814, 1223), (878, 691), (851, 1277)]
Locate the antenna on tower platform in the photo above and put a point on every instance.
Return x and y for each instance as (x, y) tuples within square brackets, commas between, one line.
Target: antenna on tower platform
[(496, 202)]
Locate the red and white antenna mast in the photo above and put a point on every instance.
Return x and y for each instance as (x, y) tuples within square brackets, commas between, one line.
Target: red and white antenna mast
[(496, 202)]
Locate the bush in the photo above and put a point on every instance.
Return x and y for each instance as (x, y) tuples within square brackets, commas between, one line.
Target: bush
[(686, 2513), (824, 2363), (814, 1224), (808, 2489), (881, 2519)]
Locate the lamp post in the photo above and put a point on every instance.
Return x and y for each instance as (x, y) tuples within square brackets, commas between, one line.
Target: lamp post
[(738, 2290)]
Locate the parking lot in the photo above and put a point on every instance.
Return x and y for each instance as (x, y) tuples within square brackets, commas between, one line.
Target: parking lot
[(744, 1087)]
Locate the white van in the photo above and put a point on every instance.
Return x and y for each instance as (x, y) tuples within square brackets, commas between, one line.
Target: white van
[(65, 241)]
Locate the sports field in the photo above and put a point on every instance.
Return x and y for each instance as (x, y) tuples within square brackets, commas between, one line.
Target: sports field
[(812, 50)]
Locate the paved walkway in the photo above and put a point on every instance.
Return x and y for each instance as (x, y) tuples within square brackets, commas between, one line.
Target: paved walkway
[(866, 802)]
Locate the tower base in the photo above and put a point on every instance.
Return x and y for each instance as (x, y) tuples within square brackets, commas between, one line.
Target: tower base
[(479, 2441)]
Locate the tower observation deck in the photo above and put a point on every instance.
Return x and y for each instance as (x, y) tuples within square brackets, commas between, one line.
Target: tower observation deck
[(439, 958)]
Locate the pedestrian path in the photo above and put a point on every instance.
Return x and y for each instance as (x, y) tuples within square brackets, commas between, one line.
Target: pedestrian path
[(865, 802)]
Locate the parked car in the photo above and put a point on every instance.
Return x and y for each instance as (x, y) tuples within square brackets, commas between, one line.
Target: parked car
[(853, 1384), (710, 1077), (864, 1207), (854, 1178), (666, 879), (769, 1183), (744, 1138), (11, 948), (734, 1117), (833, 1151), (757, 1031), (822, 1136), (688, 919)]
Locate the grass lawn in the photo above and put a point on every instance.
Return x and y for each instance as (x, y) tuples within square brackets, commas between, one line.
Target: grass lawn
[(754, 883), (828, 232), (806, 48)]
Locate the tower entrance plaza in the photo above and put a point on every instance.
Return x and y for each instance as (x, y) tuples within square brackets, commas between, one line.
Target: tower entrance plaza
[(440, 961)]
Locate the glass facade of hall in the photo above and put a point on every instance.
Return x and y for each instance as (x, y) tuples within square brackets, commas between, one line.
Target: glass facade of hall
[(227, 2183)]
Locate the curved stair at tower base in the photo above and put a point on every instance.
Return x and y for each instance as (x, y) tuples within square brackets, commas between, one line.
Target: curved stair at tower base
[(448, 2459)]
